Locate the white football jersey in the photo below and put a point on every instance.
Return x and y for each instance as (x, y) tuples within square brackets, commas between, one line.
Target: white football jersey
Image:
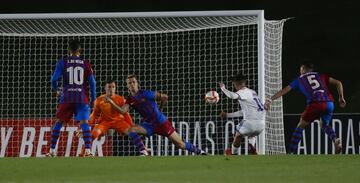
[(251, 105)]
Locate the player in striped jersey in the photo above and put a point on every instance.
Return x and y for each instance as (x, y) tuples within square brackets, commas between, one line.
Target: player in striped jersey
[(76, 74), (106, 115), (319, 103), (154, 121)]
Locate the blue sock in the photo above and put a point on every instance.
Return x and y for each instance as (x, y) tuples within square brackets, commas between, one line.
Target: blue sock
[(86, 135), (55, 133), (191, 148), (136, 139), (295, 139), (329, 131)]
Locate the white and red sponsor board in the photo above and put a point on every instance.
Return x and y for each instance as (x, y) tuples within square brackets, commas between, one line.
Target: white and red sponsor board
[(32, 138)]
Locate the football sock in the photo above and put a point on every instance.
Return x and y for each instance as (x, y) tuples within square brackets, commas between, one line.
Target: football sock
[(55, 133), (295, 139), (136, 139), (234, 150), (191, 148), (86, 135), (329, 131)]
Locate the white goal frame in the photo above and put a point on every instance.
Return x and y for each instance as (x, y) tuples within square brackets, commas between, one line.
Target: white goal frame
[(260, 34)]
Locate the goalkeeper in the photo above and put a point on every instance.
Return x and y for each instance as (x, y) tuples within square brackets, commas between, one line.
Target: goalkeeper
[(106, 115)]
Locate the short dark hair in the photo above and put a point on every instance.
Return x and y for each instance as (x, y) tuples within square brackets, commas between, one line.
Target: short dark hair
[(109, 81), (308, 65), (131, 76), (74, 45), (239, 78)]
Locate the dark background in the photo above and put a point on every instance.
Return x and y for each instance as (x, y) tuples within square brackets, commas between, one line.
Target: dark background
[(325, 32)]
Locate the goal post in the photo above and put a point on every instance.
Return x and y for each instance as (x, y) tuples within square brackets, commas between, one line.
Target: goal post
[(183, 54), (261, 73)]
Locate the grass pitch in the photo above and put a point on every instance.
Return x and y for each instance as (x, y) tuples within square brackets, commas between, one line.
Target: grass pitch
[(190, 169)]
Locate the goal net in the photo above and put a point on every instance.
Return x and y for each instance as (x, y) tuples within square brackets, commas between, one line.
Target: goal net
[(182, 54)]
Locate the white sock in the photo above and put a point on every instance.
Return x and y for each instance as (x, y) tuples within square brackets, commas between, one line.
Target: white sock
[(252, 140), (87, 151), (234, 150), (52, 151)]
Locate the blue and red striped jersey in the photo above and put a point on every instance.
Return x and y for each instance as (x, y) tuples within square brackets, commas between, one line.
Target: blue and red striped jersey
[(76, 74), (144, 104), (314, 86)]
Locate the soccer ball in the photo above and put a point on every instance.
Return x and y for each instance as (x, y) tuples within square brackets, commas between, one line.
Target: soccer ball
[(212, 97)]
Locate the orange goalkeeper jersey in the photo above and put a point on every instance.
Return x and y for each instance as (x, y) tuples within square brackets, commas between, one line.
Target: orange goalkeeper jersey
[(107, 113)]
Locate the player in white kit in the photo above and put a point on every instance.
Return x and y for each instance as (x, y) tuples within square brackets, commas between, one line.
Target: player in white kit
[(252, 110)]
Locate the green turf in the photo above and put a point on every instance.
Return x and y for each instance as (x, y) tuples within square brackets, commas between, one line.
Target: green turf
[(253, 169)]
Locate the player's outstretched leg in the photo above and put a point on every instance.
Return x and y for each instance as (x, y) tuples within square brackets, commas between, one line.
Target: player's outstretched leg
[(55, 133), (192, 148), (179, 143), (136, 139), (86, 135)]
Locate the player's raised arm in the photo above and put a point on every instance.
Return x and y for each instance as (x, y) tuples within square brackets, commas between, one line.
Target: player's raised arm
[(163, 98), (340, 91), (228, 93), (277, 95)]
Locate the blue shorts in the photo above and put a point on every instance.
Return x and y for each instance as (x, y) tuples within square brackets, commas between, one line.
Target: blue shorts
[(316, 110), (149, 128), (327, 117), (66, 111)]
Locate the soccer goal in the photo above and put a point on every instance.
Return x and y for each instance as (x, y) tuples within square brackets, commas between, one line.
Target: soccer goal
[(183, 54)]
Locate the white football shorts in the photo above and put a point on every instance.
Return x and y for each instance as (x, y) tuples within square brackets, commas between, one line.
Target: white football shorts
[(250, 128)]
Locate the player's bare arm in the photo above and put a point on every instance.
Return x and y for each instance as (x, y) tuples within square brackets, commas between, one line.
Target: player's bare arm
[(340, 90), (161, 97), (223, 114), (122, 109), (228, 93), (277, 95), (231, 115)]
